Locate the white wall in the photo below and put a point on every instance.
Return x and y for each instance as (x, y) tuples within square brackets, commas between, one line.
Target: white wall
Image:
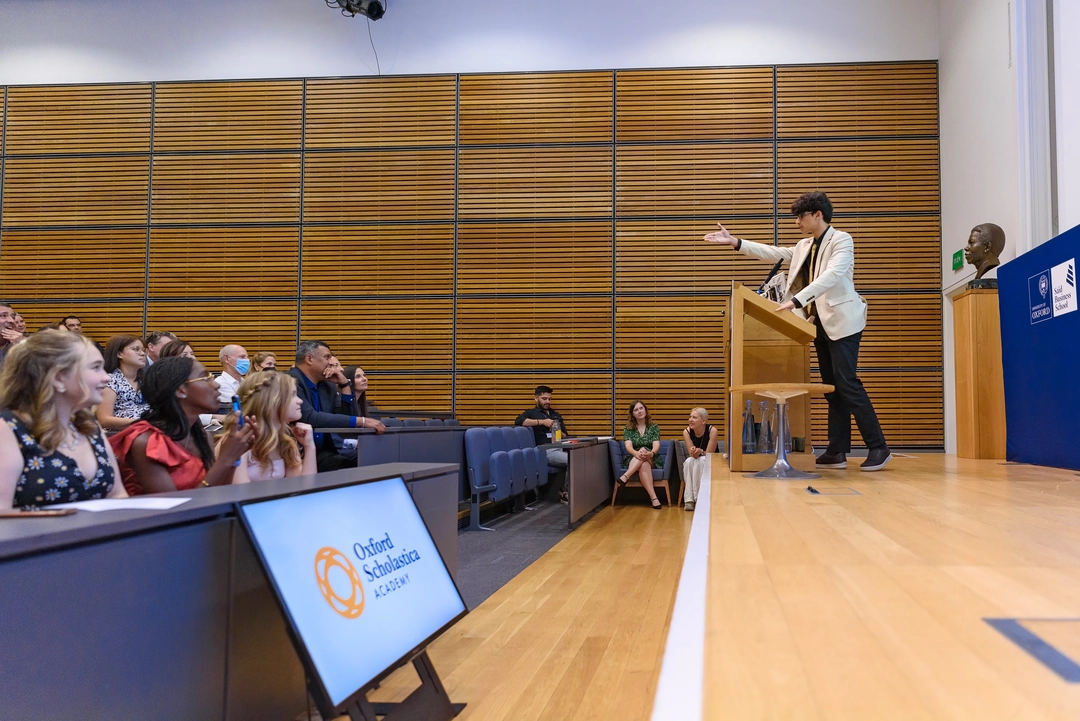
[(60, 41), (1067, 86), (979, 148)]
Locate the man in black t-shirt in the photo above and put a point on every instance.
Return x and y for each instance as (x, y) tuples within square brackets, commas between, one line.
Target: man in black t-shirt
[(540, 418)]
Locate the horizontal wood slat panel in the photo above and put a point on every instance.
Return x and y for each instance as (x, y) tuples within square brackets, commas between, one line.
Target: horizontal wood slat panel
[(100, 321), (670, 397), (536, 108), (226, 188), (705, 104), (908, 406), (75, 191), (848, 100), (583, 399), (409, 392), (534, 257), (890, 252), (565, 333), (863, 176), (380, 112), (378, 260), (670, 332), (210, 325), (83, 263), (377, 185), (901, 331), (714, 180), (384, 334), (78, 119), (214, 262), (253, 115), (535, 183), (669, 255)]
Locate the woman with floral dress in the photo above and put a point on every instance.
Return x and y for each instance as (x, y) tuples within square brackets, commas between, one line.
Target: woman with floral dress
[(122, 401), (642, 440), (51, 448)]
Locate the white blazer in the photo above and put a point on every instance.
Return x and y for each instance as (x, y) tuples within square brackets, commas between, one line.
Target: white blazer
[(841, 310)]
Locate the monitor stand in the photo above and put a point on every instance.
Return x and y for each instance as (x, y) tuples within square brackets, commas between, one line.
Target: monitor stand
[(429, 702)]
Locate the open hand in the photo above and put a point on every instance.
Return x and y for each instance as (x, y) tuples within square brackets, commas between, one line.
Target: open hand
[(786, 305), (722, 237)]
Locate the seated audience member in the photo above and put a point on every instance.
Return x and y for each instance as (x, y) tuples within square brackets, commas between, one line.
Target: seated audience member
[(235, 364), (701, 439), (318, 382), (270, 398), (73, 324), (360, 384), (20, 324), (176, 348), (154, 343), (51, 447), (541, 418), (122, 403), (8, 335), (168, 450), (642, 440), (264, 361)]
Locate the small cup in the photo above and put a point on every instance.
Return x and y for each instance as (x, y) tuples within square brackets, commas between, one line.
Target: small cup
[(798, 444)]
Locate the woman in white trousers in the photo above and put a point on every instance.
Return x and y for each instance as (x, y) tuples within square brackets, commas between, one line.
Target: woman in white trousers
[(701, 439)]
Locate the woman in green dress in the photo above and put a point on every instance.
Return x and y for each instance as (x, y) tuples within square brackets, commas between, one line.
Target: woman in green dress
[(642, 440)]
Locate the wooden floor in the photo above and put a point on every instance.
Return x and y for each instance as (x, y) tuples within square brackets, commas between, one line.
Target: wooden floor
[(579, 634), (826, 606)]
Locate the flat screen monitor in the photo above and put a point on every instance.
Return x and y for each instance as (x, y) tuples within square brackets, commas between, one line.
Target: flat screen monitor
[(359, 578)]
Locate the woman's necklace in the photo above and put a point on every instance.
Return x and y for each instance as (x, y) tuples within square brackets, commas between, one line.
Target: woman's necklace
[(77, 438)]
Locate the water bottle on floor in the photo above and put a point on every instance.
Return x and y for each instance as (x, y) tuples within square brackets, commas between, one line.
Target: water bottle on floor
[(749, 438), (765, 438)]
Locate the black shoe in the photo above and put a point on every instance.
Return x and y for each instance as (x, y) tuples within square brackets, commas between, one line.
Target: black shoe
[(622, 481), (876, 459), (657, 504), (831, 460), (564, 497)]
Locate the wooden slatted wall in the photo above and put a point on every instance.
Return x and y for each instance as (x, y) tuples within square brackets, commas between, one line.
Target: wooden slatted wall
[(468, 237)]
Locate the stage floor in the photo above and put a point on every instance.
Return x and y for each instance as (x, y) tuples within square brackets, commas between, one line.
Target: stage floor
[(906, 594)]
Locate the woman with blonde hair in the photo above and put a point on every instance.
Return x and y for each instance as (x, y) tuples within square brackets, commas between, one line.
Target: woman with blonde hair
[(264, 360), (270, 398), (700, 439), (52, 449)]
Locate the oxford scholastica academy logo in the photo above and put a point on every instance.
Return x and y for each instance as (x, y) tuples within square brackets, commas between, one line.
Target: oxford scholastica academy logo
[(1052, 293)]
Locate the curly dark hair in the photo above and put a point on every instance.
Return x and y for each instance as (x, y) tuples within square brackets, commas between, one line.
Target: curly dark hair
[(811, 202), (159, 387)]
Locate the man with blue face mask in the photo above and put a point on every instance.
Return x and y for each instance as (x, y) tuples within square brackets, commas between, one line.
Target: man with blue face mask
[(234, 365)]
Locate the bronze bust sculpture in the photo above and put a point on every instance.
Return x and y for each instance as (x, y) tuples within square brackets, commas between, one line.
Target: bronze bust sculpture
[(983, 248)]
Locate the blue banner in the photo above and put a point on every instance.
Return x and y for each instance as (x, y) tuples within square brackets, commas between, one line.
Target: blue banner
[(1040, 353)]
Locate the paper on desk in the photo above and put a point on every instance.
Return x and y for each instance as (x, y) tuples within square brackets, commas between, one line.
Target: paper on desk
[(125, 504)]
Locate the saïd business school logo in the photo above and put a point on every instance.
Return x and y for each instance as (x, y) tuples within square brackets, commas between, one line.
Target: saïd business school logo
[(383, 567), (1052, 293)]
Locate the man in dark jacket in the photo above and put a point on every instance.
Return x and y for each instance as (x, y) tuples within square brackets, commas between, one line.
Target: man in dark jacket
[(327, 401)]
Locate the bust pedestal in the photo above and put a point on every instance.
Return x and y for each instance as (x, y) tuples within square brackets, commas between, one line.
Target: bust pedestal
[(980, 385)]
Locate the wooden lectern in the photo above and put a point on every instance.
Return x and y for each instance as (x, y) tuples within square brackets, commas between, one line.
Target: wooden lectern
[(765, 346)]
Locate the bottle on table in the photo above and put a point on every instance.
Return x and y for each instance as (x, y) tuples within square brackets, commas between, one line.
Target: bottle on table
[(749, 437)]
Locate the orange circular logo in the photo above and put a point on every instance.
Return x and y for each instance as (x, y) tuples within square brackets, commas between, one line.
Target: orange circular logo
[(350, 606)]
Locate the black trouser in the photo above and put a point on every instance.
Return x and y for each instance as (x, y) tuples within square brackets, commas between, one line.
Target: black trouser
[(330, 458), (838, 361)]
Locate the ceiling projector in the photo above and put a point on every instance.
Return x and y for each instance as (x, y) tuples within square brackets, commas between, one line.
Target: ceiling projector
[(373, 9)]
